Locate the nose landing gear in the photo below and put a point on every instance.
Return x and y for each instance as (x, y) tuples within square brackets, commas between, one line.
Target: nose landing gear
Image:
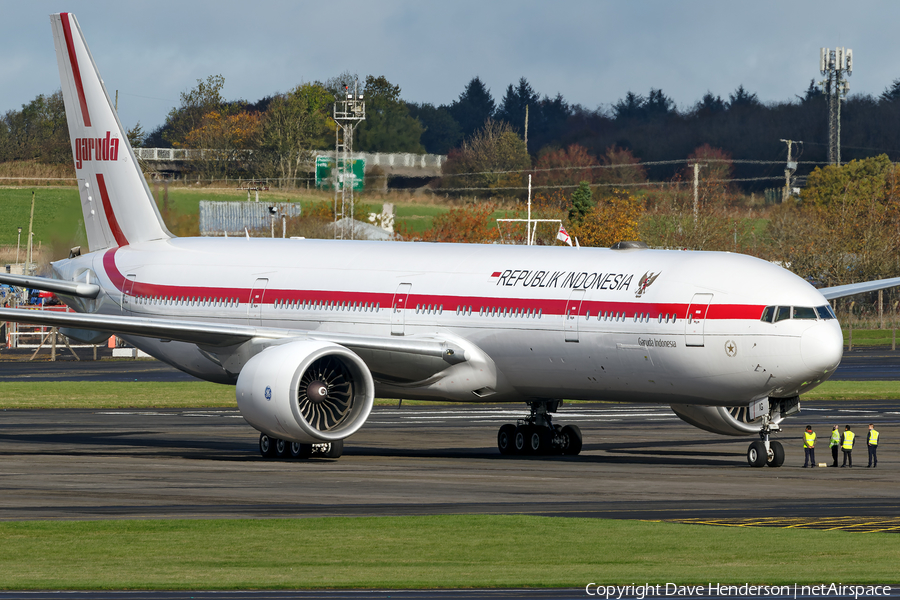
[(765, 451), (536, 434)]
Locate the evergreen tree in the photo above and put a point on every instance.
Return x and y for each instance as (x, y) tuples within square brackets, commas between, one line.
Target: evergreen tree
[(892, 92), (441, 131), (582, 202), (473, 107), (512, 107), (741, 98)]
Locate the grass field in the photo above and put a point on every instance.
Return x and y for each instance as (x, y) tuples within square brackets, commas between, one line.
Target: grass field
[(870, 337), (435, 551), (199, 394)]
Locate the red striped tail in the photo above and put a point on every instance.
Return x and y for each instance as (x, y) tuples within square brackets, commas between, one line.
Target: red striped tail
[(115, 200)]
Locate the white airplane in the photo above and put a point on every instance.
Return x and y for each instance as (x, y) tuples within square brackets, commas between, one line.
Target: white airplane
[(311, 330)]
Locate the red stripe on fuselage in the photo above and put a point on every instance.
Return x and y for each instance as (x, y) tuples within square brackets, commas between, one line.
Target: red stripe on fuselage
[(652, 310), (76, 72), (109, 212)]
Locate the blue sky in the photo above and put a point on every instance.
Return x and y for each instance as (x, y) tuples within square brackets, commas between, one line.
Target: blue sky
[(592, 52)]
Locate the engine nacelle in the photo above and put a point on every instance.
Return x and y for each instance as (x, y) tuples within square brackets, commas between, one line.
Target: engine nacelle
[(725, 420), (306, 391)]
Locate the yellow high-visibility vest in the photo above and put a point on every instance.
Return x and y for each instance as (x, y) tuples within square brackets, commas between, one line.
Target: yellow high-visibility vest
[(809, 439), (873, 437), (848, 440), (835, 438)]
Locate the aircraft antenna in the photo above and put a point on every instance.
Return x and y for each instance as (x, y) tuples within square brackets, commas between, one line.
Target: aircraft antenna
[(349, 111)]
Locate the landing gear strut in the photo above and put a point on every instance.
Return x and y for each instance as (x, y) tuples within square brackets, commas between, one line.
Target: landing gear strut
[(765, 451), (536, 434), (270, 447)]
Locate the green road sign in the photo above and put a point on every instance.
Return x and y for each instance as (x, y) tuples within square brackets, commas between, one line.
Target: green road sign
[(326, 172)]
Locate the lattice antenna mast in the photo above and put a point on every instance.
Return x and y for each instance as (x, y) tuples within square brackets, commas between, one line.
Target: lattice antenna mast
[(834, 64), (348, 113)]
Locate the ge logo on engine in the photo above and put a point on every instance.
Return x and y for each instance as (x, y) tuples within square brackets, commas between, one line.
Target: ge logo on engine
[(268, 393)]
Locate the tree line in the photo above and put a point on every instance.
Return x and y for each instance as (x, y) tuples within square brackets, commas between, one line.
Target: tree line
[(283, 130)]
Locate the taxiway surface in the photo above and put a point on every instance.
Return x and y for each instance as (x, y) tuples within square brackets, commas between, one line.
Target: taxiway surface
[(639, 461)]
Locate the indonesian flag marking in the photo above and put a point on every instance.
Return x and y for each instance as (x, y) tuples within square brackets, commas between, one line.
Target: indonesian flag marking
[(563, 235)]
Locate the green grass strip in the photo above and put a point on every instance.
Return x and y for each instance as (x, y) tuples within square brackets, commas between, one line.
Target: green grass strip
[(869, 337), (425, 552), (115, 394), (197, 394), (854, 390)]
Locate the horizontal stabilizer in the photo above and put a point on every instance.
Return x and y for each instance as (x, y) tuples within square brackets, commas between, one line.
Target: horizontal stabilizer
[(57, 286)]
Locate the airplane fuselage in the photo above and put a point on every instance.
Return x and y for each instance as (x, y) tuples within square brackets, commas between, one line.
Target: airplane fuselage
[(591, 324)]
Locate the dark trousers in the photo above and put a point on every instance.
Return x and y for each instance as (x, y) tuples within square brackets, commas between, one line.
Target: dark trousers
[(847, 458), (810, 457), (834, 451), (873, 457)]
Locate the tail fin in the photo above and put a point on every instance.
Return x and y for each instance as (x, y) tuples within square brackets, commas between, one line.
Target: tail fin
[(117, 205)]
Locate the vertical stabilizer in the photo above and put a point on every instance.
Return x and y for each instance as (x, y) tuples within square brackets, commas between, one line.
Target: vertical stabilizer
[(117, 205)]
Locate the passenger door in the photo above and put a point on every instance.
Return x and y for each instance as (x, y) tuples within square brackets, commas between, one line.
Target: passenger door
[(695, 322), (398, 309)]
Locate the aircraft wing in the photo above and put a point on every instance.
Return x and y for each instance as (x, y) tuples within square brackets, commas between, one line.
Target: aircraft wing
[(57, 286), (840, 291), (224, 334)]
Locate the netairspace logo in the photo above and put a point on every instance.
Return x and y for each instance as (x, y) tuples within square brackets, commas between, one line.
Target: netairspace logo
[(715, 590)]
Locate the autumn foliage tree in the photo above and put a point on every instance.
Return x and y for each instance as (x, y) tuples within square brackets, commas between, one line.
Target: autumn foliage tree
[(492, 162), (620, 166), (564, 168), (614, 218), (845, 227), (295, 124), (224, 140)]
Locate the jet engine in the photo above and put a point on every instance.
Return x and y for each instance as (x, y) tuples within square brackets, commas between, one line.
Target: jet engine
[(310, 392), (725, 420)]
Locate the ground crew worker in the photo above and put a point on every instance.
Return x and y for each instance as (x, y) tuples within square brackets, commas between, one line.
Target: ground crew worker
[(835, 444), (809, 447), (872, 445), (847, 446)]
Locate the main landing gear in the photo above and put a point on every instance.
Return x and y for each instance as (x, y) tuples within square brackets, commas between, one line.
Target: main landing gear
[(536, 434), (271, 447), (766, 452)]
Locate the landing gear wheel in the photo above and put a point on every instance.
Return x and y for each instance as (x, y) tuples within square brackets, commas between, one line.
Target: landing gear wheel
[(335, 449), (537, 439), (572, 435), (281, 448), (299, 450), (266, 446), (520, 437), (756, 454), (777, 454), (506, 439)]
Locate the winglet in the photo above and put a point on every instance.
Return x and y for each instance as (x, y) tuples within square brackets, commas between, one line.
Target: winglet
[(115, 200)]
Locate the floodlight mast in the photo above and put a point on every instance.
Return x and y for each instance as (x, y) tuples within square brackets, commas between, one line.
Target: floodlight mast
[(348, 112), (834, 64)]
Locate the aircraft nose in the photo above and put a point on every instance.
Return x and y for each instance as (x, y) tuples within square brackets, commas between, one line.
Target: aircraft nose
[(822, 346)]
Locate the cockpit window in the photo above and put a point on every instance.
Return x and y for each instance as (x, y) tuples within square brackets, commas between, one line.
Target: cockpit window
[(773, 314), (804, 312), (825, 312)]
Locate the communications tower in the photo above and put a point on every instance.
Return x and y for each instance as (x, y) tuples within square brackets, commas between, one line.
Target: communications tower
[(348, 113), (834, 64)]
